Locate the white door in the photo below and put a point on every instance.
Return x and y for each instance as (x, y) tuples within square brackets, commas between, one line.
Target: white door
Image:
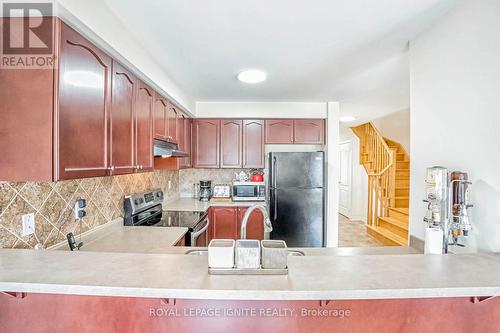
[(345, 158)]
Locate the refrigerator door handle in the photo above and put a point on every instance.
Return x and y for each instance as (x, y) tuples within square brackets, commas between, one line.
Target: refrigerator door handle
[(275, 206), (275, 171)]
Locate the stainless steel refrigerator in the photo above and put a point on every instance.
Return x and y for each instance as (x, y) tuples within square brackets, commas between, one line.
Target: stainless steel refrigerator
[(297, 198)]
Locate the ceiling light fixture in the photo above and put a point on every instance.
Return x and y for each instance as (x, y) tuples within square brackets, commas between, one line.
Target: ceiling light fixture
[(347, 119), (252, 76)]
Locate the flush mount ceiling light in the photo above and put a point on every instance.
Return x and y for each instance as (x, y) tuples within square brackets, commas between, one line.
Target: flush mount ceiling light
[(347, 119), (252, 76)]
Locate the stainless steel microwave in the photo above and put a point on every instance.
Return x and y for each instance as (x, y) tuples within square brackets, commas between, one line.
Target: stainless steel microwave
[(249, 191)]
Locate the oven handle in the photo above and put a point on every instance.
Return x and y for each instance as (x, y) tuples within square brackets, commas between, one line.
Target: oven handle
[(195, 235)]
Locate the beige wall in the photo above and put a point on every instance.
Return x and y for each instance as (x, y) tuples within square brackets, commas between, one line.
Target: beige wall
[(395, 126), (52, 204)]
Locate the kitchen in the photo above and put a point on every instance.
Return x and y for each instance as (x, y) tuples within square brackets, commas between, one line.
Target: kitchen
[(98, 151)]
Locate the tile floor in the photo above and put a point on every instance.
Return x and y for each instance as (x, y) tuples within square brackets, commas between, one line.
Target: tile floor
[(353, 233)]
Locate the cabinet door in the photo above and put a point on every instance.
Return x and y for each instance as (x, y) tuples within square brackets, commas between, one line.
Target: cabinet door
[(206, 143), (84, 99), (181, 138), (189, 149), (160, 118), (253, 144), (144, 127), (309, 131), (255, 224), (279, 131), (231, 143), (122, 136), (172, 116), (224, 223)]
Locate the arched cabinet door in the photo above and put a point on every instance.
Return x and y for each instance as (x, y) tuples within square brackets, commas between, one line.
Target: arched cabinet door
[(231, 143), (144, 127), (206, 143), (309, 131), (82, 115), (122, 136), (253, 144), (160, 117), (279, 131)]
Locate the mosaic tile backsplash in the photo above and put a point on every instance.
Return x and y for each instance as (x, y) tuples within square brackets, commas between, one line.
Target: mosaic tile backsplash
[(52, 204), (188, 177)]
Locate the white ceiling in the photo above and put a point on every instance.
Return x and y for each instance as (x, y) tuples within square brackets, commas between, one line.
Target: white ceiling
[(353, 51)]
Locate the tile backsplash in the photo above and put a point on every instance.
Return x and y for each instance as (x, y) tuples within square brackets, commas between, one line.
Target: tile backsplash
[(52, 203), (188, 177)]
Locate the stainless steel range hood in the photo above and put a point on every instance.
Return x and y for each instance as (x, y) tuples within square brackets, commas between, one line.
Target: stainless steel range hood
[(167, 149)]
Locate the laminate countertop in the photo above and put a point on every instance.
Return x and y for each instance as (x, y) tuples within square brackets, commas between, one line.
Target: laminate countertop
[(115, 237), (195, 205), (310, 277)]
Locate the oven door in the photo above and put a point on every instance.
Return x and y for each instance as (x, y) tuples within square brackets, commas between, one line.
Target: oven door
[(199, 235)]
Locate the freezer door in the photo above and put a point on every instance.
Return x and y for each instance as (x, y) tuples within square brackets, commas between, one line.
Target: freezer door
[(296, 170), (297, 216)]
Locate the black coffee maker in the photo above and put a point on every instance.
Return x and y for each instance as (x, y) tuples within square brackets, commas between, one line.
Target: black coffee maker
[(205, 190)]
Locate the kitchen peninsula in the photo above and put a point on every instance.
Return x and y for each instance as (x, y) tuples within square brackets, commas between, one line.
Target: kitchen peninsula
[(399, 282)]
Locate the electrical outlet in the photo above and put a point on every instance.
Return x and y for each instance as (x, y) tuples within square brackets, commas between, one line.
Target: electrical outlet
[(28, 221), (169, 184)]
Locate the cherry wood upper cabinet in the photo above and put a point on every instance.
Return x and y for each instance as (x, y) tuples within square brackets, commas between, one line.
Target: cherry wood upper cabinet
[(206, 144), (279, 131), (160, 117), (309, 131), (253, 144), (172, 117), (224, 223), (83, 108), (122, 136), (181, 138), (188, 125), (144, 127), (231, 136), (255, 224)]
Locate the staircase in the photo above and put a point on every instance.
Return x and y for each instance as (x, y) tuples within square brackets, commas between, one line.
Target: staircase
[(388, 167)]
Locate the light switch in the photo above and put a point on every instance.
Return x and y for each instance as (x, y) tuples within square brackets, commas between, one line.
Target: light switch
[(28, 221)]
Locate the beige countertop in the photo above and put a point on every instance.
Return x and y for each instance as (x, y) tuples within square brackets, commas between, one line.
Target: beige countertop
[(310, 277), (115, 237), (195, 205), (141, 262)]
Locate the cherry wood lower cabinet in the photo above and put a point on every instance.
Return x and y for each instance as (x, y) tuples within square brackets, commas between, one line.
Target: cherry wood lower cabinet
[(255, 224), (44, 312), (226, 223)]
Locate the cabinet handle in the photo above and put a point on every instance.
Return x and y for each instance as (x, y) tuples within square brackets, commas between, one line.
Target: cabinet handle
[(111, 168)]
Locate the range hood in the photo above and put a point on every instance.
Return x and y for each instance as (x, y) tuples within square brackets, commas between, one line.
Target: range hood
[(167, 149)]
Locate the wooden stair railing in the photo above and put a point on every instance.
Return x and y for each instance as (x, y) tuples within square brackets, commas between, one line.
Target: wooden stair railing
[(379, 161)]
